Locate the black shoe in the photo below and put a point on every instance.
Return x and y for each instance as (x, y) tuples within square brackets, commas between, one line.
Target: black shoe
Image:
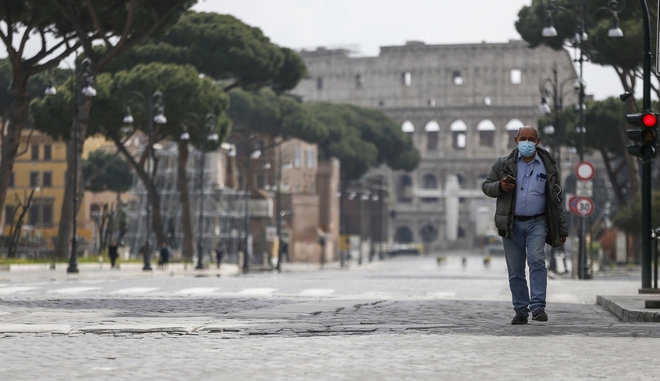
[(539, 315), (520, 318)]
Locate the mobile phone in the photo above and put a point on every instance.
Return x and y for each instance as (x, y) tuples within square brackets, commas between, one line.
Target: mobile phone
[(510, 179)]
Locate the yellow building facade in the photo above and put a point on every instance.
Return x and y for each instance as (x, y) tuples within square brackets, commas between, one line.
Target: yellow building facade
[(41, 168)]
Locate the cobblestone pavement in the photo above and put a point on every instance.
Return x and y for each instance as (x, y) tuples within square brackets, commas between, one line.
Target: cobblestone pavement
[(402, 319)]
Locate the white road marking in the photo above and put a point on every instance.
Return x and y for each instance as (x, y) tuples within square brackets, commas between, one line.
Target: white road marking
[(257, 291), (316, 292), (135, 290), (74, 290), (197, 290), (11, 290)]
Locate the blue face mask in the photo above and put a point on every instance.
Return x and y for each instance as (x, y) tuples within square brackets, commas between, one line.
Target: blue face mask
[(527, 148)]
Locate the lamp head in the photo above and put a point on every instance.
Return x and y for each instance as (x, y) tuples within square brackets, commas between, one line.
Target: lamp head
[(625, 96), (50, 90)]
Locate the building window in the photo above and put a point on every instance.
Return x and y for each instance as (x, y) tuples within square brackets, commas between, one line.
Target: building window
[(432, 129), (48, 179), (47, 152), (431, 102), (407, 79), (405, 189), (297, 158), (457, 78), (516, 77), (359, 80), (33, 215), (47, 214), (261, 181), (486, 130), (512, 128), (311, 158), (35, 152), (319, 83), (407, 127), (9, 215), (11, 180), (34, 179), (459, 134), (487, 101)]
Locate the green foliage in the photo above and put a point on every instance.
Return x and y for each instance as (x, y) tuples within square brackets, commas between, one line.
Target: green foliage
[(624, 53), (109, 172), (362, 138), (183, 92), (629, 218), (266, 112), (224, 48)]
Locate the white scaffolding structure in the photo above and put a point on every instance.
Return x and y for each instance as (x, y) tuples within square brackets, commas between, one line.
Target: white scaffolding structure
[(224, 208)]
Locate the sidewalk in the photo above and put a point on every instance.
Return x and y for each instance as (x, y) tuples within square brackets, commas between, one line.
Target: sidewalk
[(87, 271), (630, 309)]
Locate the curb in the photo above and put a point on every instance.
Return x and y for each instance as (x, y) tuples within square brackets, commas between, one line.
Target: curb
[(630, 309)]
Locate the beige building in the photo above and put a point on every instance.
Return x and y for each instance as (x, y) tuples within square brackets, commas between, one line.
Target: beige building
[(461, 104)]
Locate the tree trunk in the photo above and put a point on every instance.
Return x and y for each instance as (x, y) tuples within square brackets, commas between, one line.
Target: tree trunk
[(152, 194), (184, 198), (11, 130)]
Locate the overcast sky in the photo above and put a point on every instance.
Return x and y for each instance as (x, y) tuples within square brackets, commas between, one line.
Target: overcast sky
[(369, 24), (365, 25)]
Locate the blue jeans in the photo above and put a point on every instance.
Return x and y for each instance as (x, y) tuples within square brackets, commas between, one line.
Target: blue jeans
[(527, 244)]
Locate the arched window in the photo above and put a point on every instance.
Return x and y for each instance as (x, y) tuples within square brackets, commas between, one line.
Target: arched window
[(430, 182), (405, 189), (486, 130), (407, 79), (407, 127), (429, 233), (403, 235), (432, 129), (459, 134), (512, 128)]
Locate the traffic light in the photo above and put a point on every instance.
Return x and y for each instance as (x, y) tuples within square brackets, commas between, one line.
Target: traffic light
[(646, 136)]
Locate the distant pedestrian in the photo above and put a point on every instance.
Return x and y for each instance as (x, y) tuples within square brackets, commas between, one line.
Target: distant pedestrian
[(285, 251), (164, 255), (219, 253), (112, 253), (529, 214)]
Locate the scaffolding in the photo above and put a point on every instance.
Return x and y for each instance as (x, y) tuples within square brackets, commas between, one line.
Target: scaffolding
[(224, 208)]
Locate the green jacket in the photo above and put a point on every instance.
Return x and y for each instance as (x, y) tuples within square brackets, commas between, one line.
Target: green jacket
[(506, 202)]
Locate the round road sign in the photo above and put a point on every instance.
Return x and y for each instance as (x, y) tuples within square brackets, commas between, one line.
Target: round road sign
[(585, 207), (572, 204), (585, 171)]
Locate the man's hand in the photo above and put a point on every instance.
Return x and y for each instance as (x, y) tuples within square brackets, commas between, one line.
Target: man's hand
[(505, 186), (562, 240)]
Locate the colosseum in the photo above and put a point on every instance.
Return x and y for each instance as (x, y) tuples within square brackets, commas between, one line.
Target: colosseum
[(461, 104)]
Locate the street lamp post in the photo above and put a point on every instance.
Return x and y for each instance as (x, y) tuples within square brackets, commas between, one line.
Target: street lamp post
[(154, 102), (581, 36), (86, 81), (207, 134)]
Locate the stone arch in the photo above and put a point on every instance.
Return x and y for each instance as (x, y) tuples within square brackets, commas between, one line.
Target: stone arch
[(407, 127), (404, 191), (512, 128), (430, 181), (429, 233), (403, 234), (486, 130), (432, 129), (458, 130)]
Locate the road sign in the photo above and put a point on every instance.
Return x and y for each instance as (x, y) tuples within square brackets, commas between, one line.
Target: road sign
[(585, 171), (585, 207), (584, 188), (572, 204)]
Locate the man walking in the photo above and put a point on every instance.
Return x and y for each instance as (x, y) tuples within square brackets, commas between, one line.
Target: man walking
[(528, 215)]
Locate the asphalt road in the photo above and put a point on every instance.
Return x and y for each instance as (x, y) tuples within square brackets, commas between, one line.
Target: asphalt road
[(404, 318)]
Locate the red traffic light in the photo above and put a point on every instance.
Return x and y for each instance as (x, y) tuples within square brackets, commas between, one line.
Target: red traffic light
[(649, 120)]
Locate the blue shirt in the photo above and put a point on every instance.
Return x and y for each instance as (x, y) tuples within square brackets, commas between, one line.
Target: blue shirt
[(530, 186)]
